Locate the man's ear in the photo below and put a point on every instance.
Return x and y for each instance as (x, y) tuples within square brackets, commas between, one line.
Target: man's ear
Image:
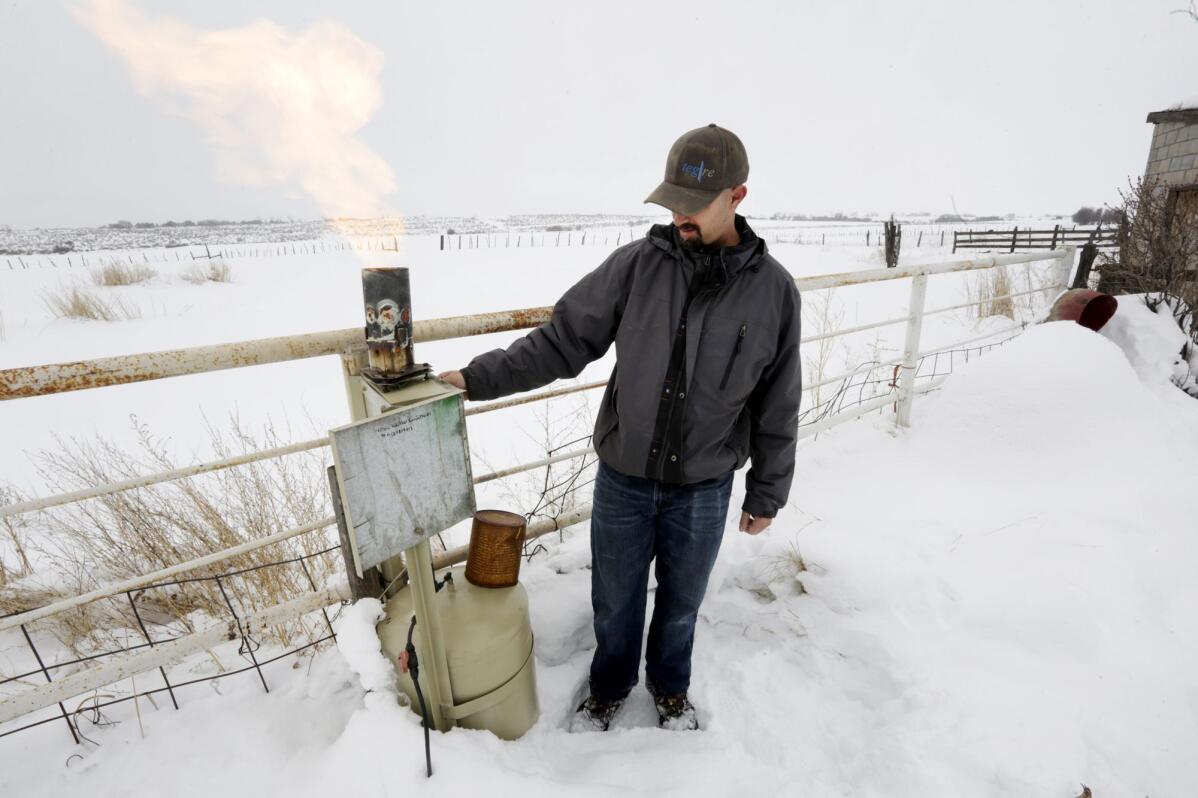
[(738, 195)]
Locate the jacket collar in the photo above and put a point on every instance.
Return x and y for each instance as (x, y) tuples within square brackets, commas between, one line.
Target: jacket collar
[(747, 254)]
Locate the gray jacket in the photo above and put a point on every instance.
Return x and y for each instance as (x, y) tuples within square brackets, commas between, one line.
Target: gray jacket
[(743, 379)]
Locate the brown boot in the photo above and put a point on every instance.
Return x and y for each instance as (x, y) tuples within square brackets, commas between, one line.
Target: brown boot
[(674, 712), (594, 714)]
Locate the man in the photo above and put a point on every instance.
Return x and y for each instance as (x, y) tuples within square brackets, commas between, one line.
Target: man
[(706, 328)]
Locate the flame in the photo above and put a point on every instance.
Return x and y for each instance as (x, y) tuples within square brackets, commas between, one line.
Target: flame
[(279, 108)]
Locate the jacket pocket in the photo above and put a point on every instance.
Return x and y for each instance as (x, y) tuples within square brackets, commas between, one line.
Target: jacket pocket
[(740, 340), (615, 413)]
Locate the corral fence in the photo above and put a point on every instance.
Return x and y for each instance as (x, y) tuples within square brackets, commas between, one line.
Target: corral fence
[(872, 386), (1027, 238)]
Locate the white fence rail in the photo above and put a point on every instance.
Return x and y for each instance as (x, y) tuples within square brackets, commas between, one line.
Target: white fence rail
[(42, 380)]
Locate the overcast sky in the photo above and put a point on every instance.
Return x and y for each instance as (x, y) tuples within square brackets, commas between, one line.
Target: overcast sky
[(155, 110)]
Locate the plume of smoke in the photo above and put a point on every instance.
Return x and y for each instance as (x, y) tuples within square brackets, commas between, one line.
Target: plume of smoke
[(279, 108)]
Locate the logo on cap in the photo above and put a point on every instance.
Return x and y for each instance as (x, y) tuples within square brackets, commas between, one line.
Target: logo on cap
[(697, 172)]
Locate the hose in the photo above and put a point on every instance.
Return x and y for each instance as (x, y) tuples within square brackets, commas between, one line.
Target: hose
[(413, 668)]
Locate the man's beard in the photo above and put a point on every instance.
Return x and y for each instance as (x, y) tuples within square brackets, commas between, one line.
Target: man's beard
[(694, 243)]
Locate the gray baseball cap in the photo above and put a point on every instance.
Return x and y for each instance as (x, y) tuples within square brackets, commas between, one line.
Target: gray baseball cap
[(701, 164)]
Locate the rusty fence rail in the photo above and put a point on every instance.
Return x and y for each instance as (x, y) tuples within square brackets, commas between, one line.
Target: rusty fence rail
[(42, 380), (64, 377)]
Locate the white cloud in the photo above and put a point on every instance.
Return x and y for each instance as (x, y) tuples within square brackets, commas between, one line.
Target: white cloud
[(279, 108)]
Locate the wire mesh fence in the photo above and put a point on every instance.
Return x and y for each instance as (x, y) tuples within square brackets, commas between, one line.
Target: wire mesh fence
[(871, 380), (309, 635)]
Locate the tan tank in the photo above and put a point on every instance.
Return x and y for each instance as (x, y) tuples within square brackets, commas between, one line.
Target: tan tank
[(488, 646)]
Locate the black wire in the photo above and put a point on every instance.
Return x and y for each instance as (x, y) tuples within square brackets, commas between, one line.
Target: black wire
[(414, 671)]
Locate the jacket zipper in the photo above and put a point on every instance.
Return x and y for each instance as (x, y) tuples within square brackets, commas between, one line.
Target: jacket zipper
[(740, 339), (661, 462)]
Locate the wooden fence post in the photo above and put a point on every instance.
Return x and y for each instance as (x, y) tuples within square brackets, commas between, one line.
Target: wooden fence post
[(1084, 265), (893, 237), (1014, 238), (370, 584)]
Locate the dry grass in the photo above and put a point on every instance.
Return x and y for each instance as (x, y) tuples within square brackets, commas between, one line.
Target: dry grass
[(991, 289), (561, 424), (788, 563), (14, 550), (110, 538), (215, 271), (115, 273), (823, 314), (73, 302)]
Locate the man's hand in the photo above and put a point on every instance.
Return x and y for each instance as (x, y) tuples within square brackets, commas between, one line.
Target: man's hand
[(753, 524), (455, 379)]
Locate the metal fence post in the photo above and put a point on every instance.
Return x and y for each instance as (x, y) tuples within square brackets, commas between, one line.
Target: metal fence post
[(136, 614), (1065, 267), (46, 673), (248, 644), (351, 373), (919, 292)]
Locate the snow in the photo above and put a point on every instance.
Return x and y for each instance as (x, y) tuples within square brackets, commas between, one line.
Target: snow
[(1152, 341), (360, 646), (997, 601)]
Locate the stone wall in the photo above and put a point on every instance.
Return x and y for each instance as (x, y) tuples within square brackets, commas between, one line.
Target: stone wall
[(1173, 157)]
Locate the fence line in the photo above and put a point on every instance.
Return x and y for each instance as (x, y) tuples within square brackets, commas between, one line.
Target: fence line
[(42, 380), (188, 253), (134, 659), (125, 664), (1016, 238), (916, 314), (247, 642), (171, 475), (868, 235), (31, 381)]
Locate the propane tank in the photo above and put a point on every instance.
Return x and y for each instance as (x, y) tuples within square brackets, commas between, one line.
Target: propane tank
[(488, 644)]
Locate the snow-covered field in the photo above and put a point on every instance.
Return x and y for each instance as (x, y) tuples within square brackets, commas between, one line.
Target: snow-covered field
[(996, 602)]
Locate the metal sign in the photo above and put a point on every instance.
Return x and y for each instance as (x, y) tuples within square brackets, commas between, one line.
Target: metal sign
[(404, 477)]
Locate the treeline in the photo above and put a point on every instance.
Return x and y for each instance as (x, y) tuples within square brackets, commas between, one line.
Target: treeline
[(127, 225), (803, 217), (944, 218), (952, 218), (1088, 215)]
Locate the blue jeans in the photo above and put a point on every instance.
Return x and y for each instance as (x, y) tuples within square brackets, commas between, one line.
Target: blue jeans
[(633, 521)]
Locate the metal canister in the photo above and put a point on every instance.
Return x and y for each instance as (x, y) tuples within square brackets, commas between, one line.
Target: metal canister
[(388, 299), (1090, 309), (496, 546)]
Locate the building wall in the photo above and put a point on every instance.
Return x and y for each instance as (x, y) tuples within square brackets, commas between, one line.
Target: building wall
[(1173, 157)]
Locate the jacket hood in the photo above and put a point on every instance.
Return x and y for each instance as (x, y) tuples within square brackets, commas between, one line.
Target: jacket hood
[(747, 254)]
